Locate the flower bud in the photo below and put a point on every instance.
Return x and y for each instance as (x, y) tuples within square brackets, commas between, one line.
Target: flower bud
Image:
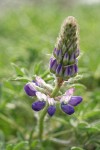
[(59, 55), (59, 70), (53, 65), (72, 59), (77, 52), (75, 68), (29, 89), (37, 84), (51, 110), (67, 72), (68, 36), (55, 52), (38, 105), (68, 109), (65, 59), (75, 100)]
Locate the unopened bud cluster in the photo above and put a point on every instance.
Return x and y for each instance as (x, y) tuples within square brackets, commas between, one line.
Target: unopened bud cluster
[(64, 63)]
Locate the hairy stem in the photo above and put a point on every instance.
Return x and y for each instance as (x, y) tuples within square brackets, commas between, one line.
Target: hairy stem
[(43, 114)]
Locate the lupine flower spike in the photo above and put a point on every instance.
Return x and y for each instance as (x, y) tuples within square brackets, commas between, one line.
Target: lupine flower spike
[(64, 65)]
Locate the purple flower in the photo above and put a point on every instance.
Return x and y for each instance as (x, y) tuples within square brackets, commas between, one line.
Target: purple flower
[(75, 100), (29, 89), (68, 94), (53, 65), (59, 70), (67, 108), (38, 105), (51, 110), (68, 101)]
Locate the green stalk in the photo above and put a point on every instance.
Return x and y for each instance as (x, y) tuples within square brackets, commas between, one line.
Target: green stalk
[(43, 114)]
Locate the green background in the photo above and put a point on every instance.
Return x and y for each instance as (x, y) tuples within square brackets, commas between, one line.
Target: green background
[(28, 34)]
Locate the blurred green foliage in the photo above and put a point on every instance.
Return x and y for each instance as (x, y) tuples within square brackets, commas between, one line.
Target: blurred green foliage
[(27, 37)]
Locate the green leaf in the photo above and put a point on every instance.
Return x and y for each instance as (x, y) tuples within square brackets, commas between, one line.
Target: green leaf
[(19, 72), (78, 85), (60, 141), (21, 145), (23, 79), (77, 148), (34, 143), (92, 114), (82, 125), (9, 147), (93, 129), (37, 68)]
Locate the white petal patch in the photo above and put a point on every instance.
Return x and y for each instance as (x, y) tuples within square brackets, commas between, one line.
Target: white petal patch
[(51, 101), (67, 96), (40, 81), (31, 85), (70, 92), (41, 96)]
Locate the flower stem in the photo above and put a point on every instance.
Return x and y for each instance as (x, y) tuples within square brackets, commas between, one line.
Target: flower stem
[(43, 114)]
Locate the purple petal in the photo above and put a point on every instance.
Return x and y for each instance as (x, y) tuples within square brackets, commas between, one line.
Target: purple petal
[(35, 82), (72, 58), (71, 70), (38, 105), (55, 52), (59, 70), (75, 68), (29, 89), (68, 109), (51, 110), (75, 100), (59, 55), (53, 65), (65, 59), (68, 71)]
